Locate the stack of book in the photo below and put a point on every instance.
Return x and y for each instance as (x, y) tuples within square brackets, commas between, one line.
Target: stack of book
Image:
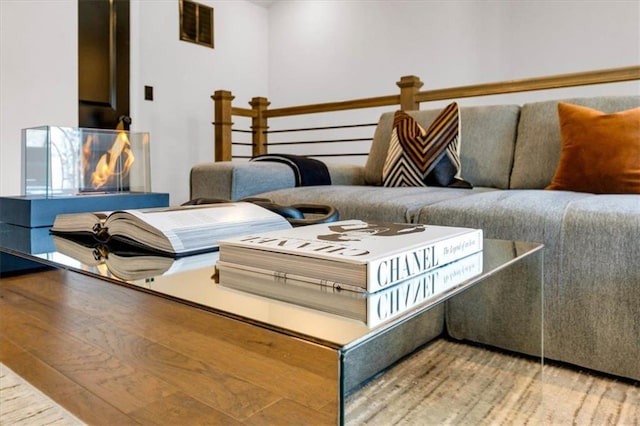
[(373, 309), (350, 255), (370, 272)]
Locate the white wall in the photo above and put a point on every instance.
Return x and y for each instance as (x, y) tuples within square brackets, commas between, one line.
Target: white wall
[(316, 51), (320, 50), (38, 75), (333, 50), (39, 79), (185, 75)]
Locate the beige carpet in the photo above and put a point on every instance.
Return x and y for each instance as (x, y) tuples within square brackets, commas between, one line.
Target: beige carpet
[(23, 404), (452, 383)]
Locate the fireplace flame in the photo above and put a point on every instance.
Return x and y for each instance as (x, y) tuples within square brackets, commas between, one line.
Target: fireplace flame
[(115, 162)]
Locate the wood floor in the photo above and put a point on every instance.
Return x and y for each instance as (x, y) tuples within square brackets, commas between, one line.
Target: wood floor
[(113, 355)]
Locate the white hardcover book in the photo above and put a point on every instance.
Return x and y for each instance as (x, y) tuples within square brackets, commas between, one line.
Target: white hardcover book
[(373, 309), (368, 256)]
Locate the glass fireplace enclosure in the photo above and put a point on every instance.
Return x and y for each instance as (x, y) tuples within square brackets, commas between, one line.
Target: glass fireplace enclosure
[(63, 161)]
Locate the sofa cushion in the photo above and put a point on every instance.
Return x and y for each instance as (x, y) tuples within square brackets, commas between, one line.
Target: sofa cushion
[(419, 157), (600, 152), (520, 215), (525, 215), (537, 150), (486, 143), (370, 202), (346, 174)]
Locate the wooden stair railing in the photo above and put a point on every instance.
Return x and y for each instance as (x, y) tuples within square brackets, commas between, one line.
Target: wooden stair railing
[(410, 98)]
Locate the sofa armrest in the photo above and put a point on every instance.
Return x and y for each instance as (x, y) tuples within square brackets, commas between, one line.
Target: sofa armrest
[(232, 180)]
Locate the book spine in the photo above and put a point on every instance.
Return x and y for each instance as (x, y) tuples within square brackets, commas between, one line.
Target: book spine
[(393, 302), (388, 271), (285, 276)]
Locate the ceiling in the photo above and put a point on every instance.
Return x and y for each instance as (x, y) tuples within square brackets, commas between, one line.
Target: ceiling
[(263, 3)]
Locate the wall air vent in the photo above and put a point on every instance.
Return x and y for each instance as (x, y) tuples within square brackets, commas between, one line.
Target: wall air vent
[(196, 23)]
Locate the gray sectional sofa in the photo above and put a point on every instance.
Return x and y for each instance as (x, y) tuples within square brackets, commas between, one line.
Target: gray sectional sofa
[(509, 153)]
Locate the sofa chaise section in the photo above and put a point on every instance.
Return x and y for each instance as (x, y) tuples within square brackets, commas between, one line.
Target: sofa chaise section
[(596, 305)]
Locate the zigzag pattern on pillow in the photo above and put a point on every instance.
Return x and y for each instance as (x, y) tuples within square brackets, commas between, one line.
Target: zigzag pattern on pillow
[(420, 158), (399, 169)]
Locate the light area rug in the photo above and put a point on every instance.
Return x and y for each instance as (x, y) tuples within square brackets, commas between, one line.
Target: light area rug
[(451, 383), (23, 404)]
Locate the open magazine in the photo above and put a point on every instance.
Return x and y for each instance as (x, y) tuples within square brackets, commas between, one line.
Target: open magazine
[(172, 231)]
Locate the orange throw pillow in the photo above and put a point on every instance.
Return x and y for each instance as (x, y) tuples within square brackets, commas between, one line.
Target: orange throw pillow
[(600, 152)]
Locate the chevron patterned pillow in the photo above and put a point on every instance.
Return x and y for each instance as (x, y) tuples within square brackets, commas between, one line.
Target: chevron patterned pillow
[(419, 157)]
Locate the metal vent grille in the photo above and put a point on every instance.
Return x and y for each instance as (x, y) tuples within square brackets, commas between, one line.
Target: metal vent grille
[(196, 23)]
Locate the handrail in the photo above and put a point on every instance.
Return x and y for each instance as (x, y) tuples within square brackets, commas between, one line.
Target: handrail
[(409, 98), (613, 75), (243, 112), (335, 106), (306, 129)]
